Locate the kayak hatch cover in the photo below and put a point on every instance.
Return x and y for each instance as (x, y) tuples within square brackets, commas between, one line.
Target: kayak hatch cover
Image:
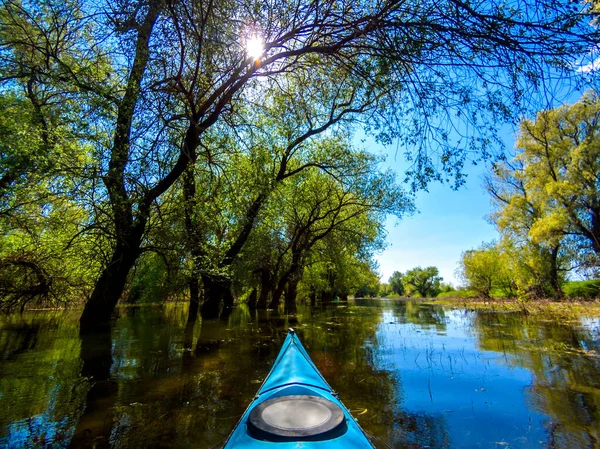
[(296, 408)]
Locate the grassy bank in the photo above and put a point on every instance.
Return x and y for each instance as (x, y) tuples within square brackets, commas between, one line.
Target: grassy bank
[(589, 307)]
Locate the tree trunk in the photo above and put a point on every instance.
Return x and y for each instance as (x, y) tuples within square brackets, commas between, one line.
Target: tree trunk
[(111, 283), (194, 300), (109, 288), (193, 241), (313, 297), (276, 296), (217, 294), (265, 280), (554, 277), (252, 299), (290, 296)]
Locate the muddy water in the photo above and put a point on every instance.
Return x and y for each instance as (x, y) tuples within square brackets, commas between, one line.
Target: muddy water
[(414, 375)]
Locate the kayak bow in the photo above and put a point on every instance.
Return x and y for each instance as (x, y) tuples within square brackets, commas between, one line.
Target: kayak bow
[(296, 407)]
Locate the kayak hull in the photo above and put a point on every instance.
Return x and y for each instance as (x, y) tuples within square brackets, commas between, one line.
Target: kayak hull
[(294, 374)]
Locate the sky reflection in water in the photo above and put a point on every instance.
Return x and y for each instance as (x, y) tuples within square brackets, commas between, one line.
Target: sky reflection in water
[(414, 375)]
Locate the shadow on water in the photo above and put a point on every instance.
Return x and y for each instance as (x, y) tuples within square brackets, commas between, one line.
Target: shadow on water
[(413, 375), (95, 424)]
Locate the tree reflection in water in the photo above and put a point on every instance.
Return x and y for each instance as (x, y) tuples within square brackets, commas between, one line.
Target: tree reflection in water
[(564, 358), (414, 375)]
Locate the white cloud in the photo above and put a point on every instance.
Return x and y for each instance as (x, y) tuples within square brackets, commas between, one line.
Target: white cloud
[(591, 62), (591, 67)]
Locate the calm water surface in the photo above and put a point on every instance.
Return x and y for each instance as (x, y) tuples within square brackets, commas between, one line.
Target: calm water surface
[(414, 375)]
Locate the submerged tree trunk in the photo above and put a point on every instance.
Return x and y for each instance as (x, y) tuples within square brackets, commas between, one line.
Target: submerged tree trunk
[(265, 281), (252, 299), (290, 296), (194, 300), (276, 296), (193, 241), (217, 295), (109, 287)]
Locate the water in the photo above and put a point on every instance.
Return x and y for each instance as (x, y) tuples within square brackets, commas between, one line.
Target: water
[(414, 375)]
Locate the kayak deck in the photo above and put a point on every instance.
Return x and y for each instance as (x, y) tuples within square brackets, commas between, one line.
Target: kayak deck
[(296, 407)]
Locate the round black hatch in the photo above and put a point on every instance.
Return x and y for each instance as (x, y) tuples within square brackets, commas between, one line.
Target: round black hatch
[(296, 417)]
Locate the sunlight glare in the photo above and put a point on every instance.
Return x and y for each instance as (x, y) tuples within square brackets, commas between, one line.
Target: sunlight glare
[(255, 47)]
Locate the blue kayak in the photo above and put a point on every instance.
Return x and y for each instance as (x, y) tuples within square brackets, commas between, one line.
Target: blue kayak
[(296, 408)]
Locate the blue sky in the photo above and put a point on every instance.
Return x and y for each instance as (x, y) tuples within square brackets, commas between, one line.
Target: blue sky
[(447, 222)]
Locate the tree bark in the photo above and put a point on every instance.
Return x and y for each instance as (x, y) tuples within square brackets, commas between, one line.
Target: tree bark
[(217, 294), (111, 283), (189, 202), (252, 299), (290, 296), (265, 281), (276, 296), (194, 300), (109, 286), (313, 297)]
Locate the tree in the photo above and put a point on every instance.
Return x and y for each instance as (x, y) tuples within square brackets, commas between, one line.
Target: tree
[(560, 153), (322, 208), (281, 140), (546, 198), (537, 265), (425, 281), (156, 77), (486, 269), (396, 284), (42, 213)]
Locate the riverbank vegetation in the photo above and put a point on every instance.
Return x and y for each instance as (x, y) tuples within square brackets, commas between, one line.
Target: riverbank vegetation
[(546, 202), (210, 150), (546, 207)]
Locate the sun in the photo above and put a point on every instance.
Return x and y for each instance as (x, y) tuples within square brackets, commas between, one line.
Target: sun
[(255, 47)]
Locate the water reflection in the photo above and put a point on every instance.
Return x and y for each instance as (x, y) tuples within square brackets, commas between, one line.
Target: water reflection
[(414, 375), (41, 393), (563, 354)]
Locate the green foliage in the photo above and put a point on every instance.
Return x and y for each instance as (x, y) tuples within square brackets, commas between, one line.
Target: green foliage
[(384, 290), (396, 284), (423, 281), (546, 198), (155, 279), (446, 288), (103, 113), (460, 293), (487, 269), (366, 291), (582, 289), (560, 153)]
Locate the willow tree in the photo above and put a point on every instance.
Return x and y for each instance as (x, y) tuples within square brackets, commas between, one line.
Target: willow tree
[(274, 140), (546, 199), (560, 152), (488, 268), (146, 70), (537, 265), (425, 281), (314, 208)]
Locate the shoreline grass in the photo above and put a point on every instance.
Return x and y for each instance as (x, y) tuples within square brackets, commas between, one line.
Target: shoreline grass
[(580, 306)]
